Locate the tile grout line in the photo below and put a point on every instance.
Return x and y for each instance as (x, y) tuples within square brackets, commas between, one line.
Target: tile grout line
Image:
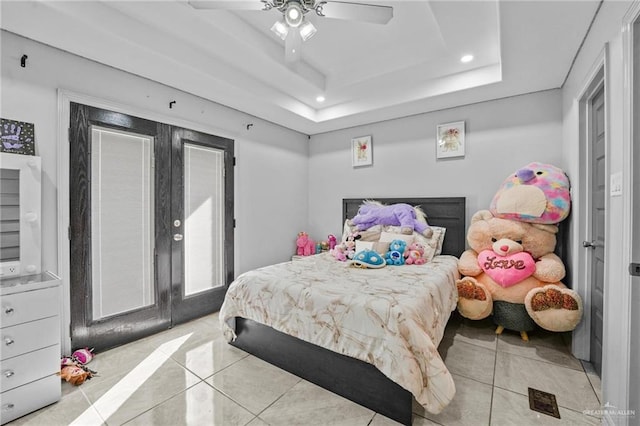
[(279, 398), (590, 381), (493, 383), (560, 406)]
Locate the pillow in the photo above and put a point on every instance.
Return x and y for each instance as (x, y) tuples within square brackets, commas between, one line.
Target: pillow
[(390, 236), (380, 247), (363, 245), (438, 234), (346, 231)]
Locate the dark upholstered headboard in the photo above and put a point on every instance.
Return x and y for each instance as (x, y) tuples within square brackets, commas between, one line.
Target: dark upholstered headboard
[(447, 212)]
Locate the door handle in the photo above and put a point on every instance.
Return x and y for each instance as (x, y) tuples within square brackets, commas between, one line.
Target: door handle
[(589, 244), (177, 237)]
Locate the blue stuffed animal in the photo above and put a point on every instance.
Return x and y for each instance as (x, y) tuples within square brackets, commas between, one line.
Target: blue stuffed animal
[(395, 255)]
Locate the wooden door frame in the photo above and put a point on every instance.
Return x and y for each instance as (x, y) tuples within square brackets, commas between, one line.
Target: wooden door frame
[(65, 97)]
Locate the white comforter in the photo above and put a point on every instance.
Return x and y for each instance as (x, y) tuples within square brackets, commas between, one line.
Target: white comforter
[(393, 317)]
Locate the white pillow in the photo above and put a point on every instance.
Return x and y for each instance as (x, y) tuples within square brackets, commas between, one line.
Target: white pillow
[(387, 237), (363, 245), (438, 233), (379, 246)]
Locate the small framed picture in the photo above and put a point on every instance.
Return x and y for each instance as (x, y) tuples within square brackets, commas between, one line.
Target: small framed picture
[(361, 151), (17, 137), (450, 140)]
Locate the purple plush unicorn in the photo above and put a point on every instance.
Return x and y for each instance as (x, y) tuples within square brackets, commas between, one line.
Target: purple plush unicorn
[(373, 213)]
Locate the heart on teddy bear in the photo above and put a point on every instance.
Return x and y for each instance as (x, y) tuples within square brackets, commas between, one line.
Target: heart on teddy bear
[(507, 270)]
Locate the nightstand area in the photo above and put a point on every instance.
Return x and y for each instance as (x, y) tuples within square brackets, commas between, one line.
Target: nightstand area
[(29, 343)]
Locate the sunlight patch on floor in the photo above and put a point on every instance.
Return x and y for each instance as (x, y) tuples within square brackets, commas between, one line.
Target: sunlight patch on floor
[(113, 399)]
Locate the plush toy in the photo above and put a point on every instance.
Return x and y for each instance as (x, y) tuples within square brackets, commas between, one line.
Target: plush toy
[(414, 254), (74, 374), (536, 193), (306, 246), (511, 270), (339, 253), (332, 241), (368, 259), (347, 249), (409, 218), (83, 355), (73, 368), (395, 255)]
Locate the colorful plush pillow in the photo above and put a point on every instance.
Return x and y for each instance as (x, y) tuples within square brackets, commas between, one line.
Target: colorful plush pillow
[(536, 193)]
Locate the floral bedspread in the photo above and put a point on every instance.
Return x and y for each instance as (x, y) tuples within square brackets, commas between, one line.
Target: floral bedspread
[(393, 317)]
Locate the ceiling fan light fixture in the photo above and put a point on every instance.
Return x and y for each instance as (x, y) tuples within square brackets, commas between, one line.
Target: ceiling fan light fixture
[(280, 29), (307, 30), (293, 14)]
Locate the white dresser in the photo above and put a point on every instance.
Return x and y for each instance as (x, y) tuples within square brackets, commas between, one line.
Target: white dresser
[(29, 344)]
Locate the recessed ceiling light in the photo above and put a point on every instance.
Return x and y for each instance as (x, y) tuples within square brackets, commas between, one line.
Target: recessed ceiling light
[(320, 98), (466, 58)]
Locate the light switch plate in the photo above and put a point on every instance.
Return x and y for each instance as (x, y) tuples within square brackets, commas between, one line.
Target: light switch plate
[(615, 187)]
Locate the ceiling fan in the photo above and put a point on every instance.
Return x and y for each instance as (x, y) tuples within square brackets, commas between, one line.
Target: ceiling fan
[(293, 28)]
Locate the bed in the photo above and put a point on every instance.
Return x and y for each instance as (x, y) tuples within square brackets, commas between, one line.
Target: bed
[(309, 344)]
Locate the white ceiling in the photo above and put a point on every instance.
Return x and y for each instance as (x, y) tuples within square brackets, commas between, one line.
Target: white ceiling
[(366, 72)]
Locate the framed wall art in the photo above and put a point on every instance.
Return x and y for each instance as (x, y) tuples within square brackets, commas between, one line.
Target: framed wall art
[(361, 151), (17, 137), (450, 140)]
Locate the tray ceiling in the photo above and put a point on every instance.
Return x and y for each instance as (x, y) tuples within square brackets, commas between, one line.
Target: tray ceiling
[(366, 72)]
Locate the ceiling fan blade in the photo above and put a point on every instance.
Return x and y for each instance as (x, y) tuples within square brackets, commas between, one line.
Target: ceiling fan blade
[(292, 46), (375, 14), (234, 5)]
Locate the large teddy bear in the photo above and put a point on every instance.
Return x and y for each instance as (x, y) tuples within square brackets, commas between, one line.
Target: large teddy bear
[(510, 269)]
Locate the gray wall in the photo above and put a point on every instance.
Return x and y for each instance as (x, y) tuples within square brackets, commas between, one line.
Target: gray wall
[(271, 159), (606, 32), (501, 136)]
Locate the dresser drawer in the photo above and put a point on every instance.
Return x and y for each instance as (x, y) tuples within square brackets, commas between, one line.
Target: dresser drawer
[(29, 305), (29, 336), (29, 367), (30, 397)]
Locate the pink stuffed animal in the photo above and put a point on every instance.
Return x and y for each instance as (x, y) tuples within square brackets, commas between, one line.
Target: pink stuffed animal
[(414, 255), (339, 253), (306, 246), (332, 241)]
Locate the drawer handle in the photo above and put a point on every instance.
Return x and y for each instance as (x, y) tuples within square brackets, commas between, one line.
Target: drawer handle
[(8, 341), (8, 311), (7, 407), (9, 373)]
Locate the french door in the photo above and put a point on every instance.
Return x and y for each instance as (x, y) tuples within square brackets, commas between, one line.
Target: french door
[(151, 225)]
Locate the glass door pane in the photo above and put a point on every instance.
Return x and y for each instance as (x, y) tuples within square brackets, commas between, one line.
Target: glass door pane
[(203, 218), (122, 221)]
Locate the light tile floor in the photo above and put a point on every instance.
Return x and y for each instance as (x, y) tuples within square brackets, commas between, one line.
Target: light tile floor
[(190, 375)]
